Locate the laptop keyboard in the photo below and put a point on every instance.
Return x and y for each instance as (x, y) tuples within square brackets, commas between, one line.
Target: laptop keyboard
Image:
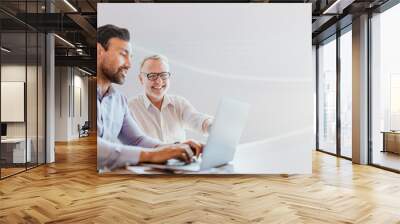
[(177, 162)]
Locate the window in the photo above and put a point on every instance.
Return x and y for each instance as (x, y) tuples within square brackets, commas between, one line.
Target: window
[(327, 97), (346, 94), (385, 89)]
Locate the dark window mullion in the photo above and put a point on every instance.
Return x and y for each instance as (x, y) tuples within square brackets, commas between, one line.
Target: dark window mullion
[(317, 95), (338, 92), (37, 90), (369, 90), (26, 86)]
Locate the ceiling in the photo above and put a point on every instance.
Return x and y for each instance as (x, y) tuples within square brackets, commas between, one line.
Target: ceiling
[(76, 20)]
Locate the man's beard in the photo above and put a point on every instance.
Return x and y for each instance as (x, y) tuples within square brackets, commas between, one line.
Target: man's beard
[(114, 77)]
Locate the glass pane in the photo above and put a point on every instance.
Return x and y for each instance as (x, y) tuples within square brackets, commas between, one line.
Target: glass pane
[(41, 98), (346, 93), (22, 79), (386, 89), (31, 97), (327, 96), (13, 84)]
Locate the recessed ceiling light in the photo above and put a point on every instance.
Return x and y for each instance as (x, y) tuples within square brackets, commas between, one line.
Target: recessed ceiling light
[(86, 72), (5, 50), (70, 5), (64, 40), (337, 7)]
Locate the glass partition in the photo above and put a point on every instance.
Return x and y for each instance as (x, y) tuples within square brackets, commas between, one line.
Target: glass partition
[(22, 88), (31, 99), (14, 151), (346, 94), (327, 96), (41, 96), (385, 89)]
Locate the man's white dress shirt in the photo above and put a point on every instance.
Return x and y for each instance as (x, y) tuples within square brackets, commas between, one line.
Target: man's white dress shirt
[(168, 124)]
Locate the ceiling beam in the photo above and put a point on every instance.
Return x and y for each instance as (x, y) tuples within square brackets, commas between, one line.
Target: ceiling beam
[(81, 61), (89, 30)]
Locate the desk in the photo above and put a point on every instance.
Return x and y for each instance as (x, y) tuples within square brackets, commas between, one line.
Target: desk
[(283, 155), (13, 150), (391, 141)]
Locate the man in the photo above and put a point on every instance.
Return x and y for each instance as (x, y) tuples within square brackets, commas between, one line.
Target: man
[(161, 116), (114, 121)]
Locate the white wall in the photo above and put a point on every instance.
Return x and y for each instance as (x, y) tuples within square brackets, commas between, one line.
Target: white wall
[(16, 73), (61, 104), (258, 53), (80, 84), (69, 81)]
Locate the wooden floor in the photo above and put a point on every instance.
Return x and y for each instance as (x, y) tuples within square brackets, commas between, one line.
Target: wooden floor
[(387, 159), (70, 191), (10, 171), (5, 172)]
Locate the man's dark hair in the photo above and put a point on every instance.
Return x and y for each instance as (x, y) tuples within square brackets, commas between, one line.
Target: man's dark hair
[(106, 32)]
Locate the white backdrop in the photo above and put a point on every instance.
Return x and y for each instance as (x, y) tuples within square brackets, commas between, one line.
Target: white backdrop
[(258, 53)]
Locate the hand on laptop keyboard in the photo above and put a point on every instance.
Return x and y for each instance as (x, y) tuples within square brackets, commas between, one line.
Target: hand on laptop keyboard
[(184, 152), (196, 146), (177, 162), (165, 152)]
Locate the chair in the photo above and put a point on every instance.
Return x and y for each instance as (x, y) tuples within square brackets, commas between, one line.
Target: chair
[(84, 129)]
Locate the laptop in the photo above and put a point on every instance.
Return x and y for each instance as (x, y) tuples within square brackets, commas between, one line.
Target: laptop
[(224, 136)]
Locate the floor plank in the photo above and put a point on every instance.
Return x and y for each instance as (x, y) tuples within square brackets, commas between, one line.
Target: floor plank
[(71, 191)]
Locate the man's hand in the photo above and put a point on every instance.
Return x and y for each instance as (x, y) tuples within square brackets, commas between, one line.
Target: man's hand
[(196, 146), (165, 152)]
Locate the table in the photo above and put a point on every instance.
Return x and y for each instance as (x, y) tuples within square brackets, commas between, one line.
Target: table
[(391, 141), (13, 150), (280, 155)]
